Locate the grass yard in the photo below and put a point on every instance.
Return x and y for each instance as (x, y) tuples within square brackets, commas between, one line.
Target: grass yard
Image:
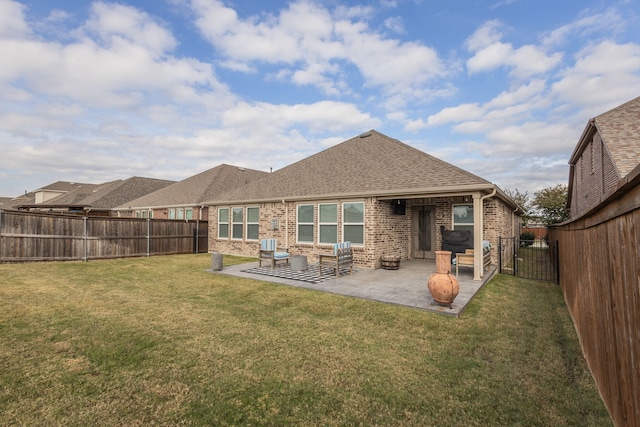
[(159, 341)]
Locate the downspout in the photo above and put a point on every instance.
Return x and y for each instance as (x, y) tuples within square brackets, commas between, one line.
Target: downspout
[(286, 224), (478, 268)]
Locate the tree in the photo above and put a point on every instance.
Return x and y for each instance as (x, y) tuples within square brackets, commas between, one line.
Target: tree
[(523, 200), (551, 204)]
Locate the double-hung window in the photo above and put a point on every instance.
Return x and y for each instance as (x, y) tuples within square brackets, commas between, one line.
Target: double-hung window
[(304, 220), (328, 223), (353, 222), (223, 223), (237, 224), (189, 214), (252, 223), (172, 214), (463, 217), (180, 213)]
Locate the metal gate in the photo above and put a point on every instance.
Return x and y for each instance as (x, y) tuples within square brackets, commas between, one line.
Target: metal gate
[(530, 259)]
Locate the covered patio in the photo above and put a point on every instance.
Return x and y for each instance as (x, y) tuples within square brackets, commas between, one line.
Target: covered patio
[(406, 286)]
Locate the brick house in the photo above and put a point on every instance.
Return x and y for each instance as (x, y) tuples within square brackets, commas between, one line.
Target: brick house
[(185, 199), (607, 151), (88, 199), (382, 195)]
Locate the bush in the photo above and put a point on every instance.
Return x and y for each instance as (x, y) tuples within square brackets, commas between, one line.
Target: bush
[(527, 238)]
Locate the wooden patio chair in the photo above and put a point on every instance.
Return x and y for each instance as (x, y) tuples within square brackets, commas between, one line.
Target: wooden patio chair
[(342, 257), (270, 251)]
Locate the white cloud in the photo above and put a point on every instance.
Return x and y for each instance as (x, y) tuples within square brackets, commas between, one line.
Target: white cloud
[(317, 46), (486, 35), (489, 53), (395, 24), (524, 62), (609, 22), (12, 23), (602, 76), (116, 22)]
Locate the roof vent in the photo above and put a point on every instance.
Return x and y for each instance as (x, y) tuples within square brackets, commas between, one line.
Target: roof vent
[(241, 169), (366, 134)]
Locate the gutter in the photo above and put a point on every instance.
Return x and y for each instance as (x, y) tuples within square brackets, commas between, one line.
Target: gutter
[(379, 194)]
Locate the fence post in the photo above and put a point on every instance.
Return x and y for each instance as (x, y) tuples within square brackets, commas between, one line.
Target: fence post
[(557, 261), (516, 246), (1, 246), (148, 237), (500, 254), (84, 238), (197, 233)]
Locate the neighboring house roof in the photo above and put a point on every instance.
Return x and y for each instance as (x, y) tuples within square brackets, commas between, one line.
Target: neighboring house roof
[(620, 132), (112, 194), (6, 202), (196, 190), (104, 196), (29, 198), (370, 164)]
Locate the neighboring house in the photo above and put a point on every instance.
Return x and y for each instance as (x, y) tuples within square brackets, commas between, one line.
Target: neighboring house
[(6, 202), (383, 196), (186, 199), (44, 194), (96, 199), (607, 151)]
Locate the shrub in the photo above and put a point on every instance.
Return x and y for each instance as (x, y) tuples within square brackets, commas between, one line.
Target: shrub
[(527, 238)]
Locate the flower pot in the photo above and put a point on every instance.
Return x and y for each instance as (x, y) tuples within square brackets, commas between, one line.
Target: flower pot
[(444, 286)]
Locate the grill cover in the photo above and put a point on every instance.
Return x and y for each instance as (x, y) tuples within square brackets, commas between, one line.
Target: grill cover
[(456, 241)]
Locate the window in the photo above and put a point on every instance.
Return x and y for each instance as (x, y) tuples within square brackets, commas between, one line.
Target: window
[(463, 217), (180, 213), (189, 214), (236, 223), (172, 214), (328, 223), (252, 223), (353, 222), (305, 223), (223, 223)]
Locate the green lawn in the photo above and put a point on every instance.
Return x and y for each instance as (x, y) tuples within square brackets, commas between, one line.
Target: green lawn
[(159, 341)]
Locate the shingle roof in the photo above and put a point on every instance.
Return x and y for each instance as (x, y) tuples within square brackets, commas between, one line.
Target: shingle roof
[(109, 195), (368, 163), (620, 131), (196, 190), (64, 186)]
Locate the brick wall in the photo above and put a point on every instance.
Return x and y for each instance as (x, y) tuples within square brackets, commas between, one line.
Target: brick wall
[(594, 175), (385, 232)]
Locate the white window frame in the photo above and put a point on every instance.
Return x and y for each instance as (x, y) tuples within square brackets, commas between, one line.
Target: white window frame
[(172, 213), (298, 223), (235, 223), (462, 224), (362, 224), (188, 214), (224, 223), (326, 223), (256, 223)]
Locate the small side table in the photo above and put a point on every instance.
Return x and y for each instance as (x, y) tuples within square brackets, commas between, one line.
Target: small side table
[(299, 263)]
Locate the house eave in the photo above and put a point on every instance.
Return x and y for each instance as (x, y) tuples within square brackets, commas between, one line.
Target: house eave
[(448, 191)]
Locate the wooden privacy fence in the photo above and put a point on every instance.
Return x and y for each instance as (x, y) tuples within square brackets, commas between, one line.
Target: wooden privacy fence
[(44, 237), (600, 278)]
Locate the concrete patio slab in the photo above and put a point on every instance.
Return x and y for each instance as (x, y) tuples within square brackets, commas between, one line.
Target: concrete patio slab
[(406, 286)]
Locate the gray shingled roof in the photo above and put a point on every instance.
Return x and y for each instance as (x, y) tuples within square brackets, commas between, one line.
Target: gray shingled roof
[(370, 163), (196, 190), (108, 195), (620, 131)]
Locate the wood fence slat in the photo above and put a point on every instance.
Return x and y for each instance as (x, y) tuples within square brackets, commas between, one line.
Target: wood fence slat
[(27, 236), (600, 278)]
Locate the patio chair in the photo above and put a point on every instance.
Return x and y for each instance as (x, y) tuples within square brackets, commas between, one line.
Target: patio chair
[(342, 257), (269, 250)]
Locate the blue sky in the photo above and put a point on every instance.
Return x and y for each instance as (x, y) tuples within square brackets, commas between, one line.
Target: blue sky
[(97, 91)]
